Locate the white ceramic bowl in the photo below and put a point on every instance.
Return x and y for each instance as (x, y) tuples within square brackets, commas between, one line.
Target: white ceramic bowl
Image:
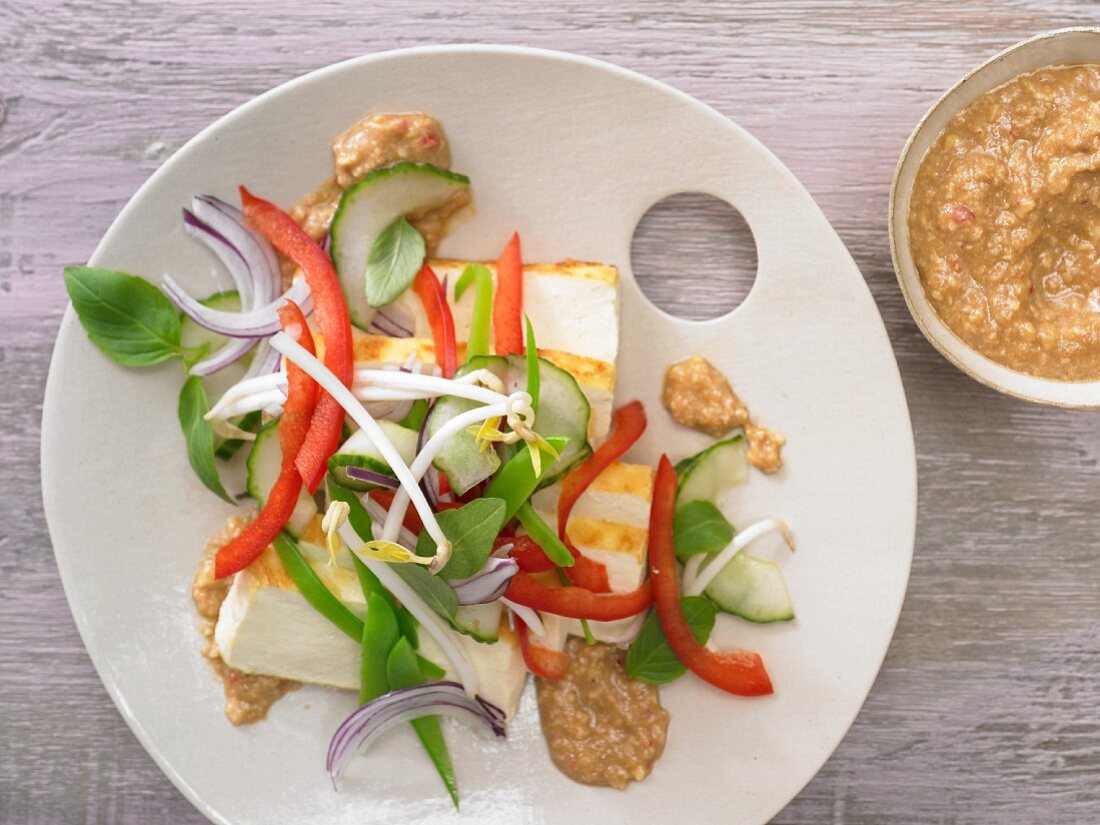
[(1055, 48)]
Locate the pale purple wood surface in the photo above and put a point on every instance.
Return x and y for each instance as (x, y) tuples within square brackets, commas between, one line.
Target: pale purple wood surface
[(986, 709)]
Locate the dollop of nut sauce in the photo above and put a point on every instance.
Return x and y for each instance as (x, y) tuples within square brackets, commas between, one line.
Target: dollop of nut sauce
[(699, 396), (248, 696), (601, 727), (375, 142), (1004, 223)]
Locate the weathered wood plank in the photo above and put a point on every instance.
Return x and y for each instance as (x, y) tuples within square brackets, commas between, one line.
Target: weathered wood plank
[(985, 711)]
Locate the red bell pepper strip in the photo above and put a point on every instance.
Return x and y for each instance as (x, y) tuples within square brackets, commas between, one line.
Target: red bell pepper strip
[(294, 425), (629, 424), (508, 300), (576, 602), (542, 661), (530, 557), (411, 521), (739, 672), (331, 313), (434, 298)]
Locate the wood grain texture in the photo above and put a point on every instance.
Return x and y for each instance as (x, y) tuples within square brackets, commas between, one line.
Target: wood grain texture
[(985, 711)]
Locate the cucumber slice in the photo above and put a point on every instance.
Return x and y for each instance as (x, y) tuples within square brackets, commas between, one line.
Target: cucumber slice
[(703, 477), (359, 451), (192, 335), (264, 463), (480, 621), (370, 206), (462, 460), (753, 589), (563, 411)]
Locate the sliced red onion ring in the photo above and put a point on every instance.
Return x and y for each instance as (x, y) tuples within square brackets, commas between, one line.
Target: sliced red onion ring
[(388, 410), (223, 356), (486, 585), (628, 633), (240, 269), (393, 321), (363, 728), (253, 246), (255, 323), (526, 615), (371, 477), (264, 362)]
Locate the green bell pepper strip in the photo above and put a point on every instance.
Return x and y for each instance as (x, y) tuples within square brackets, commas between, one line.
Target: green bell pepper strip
[(516, 481), (533, 375), (314, 590), (378, 640), (380, 634), (430, 670), (403, 670), (544, 536), (415, 418), (481, 319), (361, 523)]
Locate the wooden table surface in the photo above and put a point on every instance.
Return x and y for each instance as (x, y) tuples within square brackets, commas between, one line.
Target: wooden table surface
[(986, 708)]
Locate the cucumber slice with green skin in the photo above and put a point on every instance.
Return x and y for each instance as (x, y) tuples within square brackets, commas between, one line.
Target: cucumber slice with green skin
[(480, 621), (753, 589), (359, 451), (703, 477), (370, 206), (192, 335), (462, 460), (264, 462), (563, 411)]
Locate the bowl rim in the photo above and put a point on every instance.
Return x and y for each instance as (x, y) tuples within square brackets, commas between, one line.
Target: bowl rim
[(988, 372)]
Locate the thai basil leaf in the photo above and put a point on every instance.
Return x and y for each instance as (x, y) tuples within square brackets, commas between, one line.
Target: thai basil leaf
[(199, 434), (650, 659), (128, 318), (395, 257), (435, 592), (380, 634), (471, 530), (700, 527)]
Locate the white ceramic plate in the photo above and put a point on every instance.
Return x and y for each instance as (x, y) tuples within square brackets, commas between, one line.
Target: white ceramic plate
[(571, 152)]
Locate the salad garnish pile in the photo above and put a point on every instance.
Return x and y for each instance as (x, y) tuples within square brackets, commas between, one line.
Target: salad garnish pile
[(425, 471)]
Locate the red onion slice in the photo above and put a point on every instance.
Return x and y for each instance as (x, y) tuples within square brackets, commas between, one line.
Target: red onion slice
[(255, 323), (486, 585), (244, 278), (393, 321), (388, 410), (363, 728), (371, 477), (253, 246), (223, 357)]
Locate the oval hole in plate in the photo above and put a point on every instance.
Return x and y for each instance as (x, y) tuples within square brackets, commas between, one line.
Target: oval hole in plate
[(694, 256)]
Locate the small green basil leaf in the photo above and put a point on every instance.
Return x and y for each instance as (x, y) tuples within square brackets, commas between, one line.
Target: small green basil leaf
[(199, 434), (395, 257), (127, 317), (471, 530), (650, 659), (700, 527), (435, 592)]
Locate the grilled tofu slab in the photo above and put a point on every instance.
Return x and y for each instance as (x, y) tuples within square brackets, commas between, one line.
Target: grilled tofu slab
[(265, 625)]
